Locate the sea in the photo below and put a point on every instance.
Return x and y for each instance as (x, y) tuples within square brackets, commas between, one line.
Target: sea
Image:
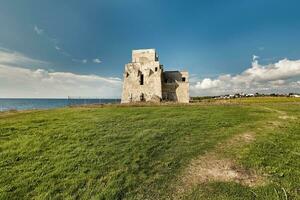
[(29, 104)]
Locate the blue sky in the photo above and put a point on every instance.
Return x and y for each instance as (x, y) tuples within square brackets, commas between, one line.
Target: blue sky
[(209, 38)]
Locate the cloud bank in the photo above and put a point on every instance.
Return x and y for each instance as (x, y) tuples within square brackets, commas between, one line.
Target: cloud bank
[(12, 58), (280, 77), (17, 81)]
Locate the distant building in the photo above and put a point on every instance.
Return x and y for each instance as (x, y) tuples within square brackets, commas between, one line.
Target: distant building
[(145, 80), (295, 95)]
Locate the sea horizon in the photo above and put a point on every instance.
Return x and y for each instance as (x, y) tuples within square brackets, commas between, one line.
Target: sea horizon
[(7, 104), (53, 98)]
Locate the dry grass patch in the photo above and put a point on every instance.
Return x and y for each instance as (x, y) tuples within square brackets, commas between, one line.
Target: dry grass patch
[(213, 167)]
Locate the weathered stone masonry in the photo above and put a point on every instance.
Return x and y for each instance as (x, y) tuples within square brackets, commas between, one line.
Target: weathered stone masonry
[(145, 80)]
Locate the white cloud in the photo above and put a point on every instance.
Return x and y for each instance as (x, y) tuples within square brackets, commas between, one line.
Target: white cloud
[(282, 77), (38, 30), (16, 81), (254, 57), (56, 44), (207, 83), (12, 58), (97, 60), (84, 61), (51, 40)]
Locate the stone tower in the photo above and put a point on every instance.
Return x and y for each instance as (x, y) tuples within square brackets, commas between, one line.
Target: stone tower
[(145, 80)]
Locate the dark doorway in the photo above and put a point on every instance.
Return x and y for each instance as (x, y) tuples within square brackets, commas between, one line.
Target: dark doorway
[(142, 98), (142, 79)]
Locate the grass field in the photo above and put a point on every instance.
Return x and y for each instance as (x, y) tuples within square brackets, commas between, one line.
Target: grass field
[(252, 146)]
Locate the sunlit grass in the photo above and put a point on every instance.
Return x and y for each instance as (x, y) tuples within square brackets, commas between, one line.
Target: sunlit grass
[(137, 152)]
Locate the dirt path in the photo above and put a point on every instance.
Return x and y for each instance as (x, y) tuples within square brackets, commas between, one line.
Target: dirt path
[(212, 166)]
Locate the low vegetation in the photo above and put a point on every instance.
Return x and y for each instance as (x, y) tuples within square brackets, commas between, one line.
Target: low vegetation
[(229, 149)]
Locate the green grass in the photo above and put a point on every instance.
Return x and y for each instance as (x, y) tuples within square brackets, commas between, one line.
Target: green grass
[(139, 152), (276, 153)]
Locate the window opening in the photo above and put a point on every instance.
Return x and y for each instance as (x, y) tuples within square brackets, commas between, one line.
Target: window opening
[(142, 98)]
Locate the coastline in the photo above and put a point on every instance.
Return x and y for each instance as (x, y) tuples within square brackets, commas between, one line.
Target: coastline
[(7, 104)]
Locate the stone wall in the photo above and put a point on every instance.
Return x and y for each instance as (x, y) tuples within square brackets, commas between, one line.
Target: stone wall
[(144, 56), (145, 80), (175, 86), (146, 66)]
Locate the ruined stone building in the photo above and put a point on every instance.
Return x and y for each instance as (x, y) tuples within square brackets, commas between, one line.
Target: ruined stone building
[(145, 80)]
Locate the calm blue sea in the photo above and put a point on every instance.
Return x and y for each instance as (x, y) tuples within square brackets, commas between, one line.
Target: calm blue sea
[(27, 104)]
